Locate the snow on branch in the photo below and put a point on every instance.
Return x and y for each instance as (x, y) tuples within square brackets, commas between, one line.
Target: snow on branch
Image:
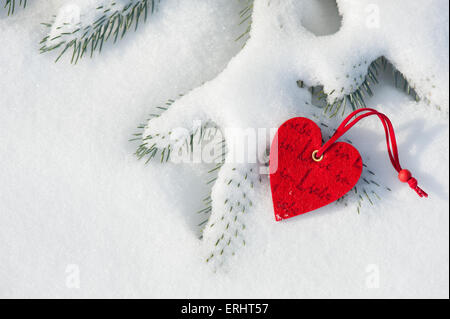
[(83, 33)]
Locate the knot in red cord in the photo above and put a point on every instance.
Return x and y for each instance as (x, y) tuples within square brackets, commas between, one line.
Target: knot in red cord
[(405, 176), (412, 182)]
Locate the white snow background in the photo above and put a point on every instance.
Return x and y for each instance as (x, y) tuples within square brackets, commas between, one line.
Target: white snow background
[(73, 197)]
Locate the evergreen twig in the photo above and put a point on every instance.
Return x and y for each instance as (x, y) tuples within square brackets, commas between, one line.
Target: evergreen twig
[(113, 22), (356, 99), (10, 5), (245, 16)]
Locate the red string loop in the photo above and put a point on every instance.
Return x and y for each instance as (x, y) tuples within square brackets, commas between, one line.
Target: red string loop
[(391, 143)]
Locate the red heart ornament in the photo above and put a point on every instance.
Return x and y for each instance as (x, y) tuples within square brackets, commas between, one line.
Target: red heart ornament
[(298, 183)]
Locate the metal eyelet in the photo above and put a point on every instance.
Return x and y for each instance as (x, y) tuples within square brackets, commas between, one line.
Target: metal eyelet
[(315, 159)]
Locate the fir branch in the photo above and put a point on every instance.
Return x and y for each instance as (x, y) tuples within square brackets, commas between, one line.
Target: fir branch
[(112, 21), (150, 149), (234, 195), (245, 17), (150, 146), (213, 175), (10, 5), (356, 99)]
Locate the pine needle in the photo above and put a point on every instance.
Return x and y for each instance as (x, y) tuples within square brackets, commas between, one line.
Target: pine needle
[(10, 5), (113, 24)]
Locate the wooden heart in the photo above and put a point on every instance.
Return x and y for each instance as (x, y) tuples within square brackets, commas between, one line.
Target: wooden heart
[(298, 183)]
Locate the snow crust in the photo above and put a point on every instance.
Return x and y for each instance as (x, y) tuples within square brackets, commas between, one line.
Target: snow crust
[(73, 197)]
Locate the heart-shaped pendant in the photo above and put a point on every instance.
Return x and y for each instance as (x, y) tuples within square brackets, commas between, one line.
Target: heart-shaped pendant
[(299, 181)]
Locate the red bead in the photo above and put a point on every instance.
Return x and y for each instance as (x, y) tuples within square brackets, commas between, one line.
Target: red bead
[(404, 175)]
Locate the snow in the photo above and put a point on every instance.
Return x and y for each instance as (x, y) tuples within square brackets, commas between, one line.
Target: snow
[(74, 200), (74, 22)]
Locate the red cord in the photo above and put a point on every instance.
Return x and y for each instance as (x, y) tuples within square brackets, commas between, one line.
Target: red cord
[(391, 143)]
